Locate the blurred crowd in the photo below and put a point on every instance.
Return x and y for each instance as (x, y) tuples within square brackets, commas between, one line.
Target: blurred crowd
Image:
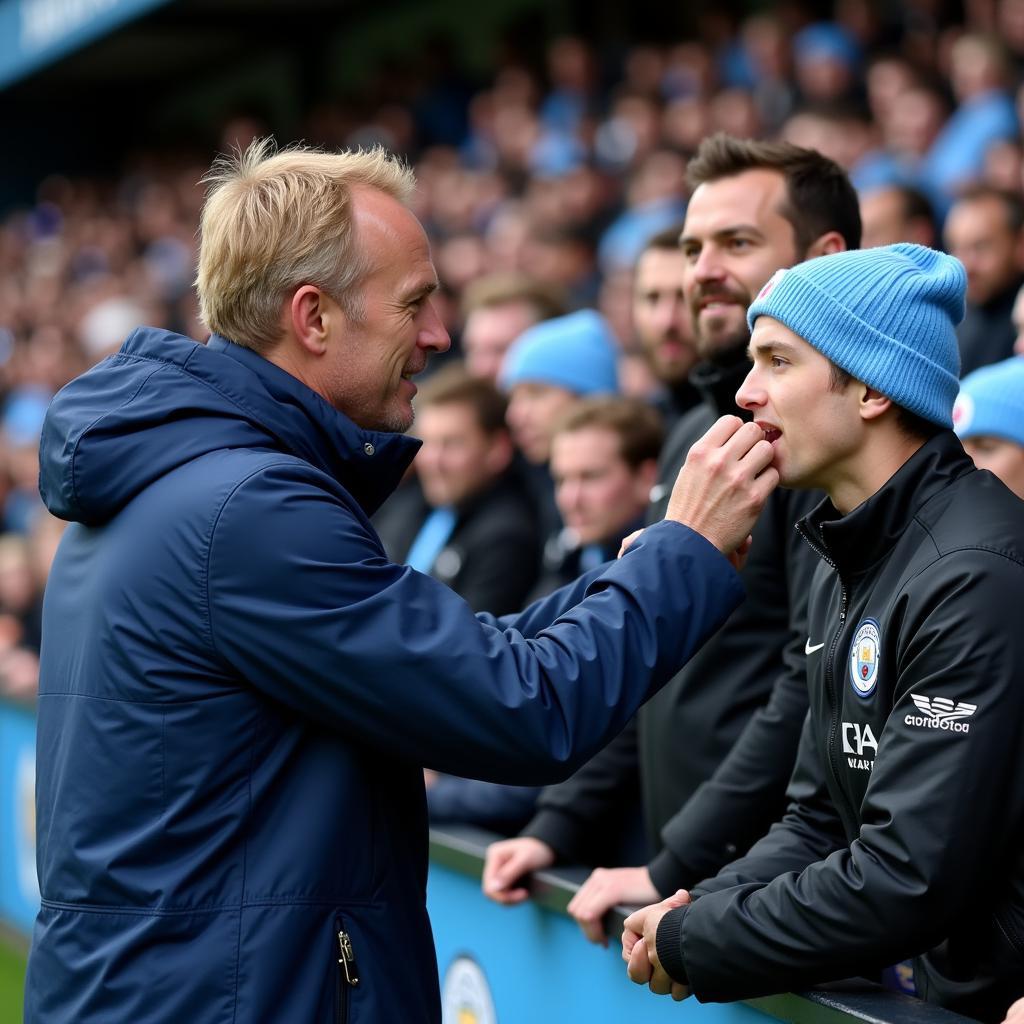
[(542, 189)]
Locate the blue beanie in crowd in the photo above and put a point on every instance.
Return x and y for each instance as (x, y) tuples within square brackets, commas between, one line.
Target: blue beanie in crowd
[(885, 315), (991, 402), (577, 352)]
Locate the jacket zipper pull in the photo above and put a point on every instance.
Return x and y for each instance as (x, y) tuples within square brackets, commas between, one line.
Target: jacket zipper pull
[(348, 959)]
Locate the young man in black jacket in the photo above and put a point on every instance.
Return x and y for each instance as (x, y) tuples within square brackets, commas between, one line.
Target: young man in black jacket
[(710, 757), (907, 803)]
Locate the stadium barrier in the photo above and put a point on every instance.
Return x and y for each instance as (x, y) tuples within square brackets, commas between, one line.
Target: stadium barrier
[(499, 965), (531, 963)]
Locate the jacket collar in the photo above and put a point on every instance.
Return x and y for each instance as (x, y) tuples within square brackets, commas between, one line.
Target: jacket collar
[(719, 380), (368, 463), (856, 541)]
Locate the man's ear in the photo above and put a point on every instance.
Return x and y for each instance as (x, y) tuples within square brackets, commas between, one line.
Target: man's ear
[(873, 403), (825, 245), (308, 315)]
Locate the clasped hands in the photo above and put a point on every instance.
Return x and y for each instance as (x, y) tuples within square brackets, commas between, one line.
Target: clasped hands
[(639, 947)]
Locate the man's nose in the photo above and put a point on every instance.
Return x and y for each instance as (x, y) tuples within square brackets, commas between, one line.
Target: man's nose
[(750, 395), (433, 333), (708, 265)]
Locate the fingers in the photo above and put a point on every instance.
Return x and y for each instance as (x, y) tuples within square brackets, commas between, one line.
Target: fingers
[(627, 541), (507, 862), (679, 992), (639, 967), (635, 921), (679, 898), (629, 940), (588, 908), (724, 428)]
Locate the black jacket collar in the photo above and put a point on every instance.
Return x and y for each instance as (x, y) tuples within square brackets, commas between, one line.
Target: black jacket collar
[(855, 542), (719, 381)]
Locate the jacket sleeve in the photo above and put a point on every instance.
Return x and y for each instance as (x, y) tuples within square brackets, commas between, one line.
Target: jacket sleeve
[(573, 818), (809, 830), (934, 817), (303, 605), (747, 793), (501, 572)]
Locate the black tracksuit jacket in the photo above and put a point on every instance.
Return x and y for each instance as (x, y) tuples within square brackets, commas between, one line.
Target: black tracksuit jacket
[(905, 832), (710, 756)]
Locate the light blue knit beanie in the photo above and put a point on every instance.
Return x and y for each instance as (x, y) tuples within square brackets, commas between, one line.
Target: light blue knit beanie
[(991, 402), (886, 315), (577, 352)]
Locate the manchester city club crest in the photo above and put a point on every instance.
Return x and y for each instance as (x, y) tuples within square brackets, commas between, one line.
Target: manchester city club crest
[(465, 994), (864, 658)]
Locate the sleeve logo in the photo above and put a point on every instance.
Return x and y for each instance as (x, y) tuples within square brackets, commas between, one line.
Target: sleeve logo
[(940, 713)]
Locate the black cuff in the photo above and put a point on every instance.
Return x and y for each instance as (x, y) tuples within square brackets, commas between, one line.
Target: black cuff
[(668, 942)]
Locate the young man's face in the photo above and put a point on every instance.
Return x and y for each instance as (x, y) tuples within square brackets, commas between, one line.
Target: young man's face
[(661, 318), (733, 240), (815, 429), (598, 494)]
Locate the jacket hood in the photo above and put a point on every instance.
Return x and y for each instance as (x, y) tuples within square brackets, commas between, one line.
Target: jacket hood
[(165, 400)]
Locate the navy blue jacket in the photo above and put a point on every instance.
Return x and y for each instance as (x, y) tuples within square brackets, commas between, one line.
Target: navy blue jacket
[(238, 691)]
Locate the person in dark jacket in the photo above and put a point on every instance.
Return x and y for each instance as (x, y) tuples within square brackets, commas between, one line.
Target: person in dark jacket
[(238, 690), (604, 456), (466, 519), (902, 836), (710, 758), (985, 231)]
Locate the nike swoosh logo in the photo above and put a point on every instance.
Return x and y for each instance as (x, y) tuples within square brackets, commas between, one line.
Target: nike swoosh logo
[(808, 649)]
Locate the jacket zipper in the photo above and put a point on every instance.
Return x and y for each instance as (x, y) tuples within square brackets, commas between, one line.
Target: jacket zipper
[(348, 973), (830, 682)]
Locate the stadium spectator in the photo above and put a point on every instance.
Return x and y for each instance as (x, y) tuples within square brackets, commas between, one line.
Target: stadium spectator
[(755, 206), (979, 75), (984, 231), (989, 418), (662, 322), (548, 368), (546, 371), (227, 648), (470, 523), (604, 460), (914, 725), (496, 309), (896, 213)]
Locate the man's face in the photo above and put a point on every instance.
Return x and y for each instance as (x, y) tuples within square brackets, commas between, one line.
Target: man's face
[(882, 217), (374, 358), (533, 409), (660, 316), (733, 240), (489, 332), (458, 457), (978, 235), (814, 430), (1004, 458), (598, 495)]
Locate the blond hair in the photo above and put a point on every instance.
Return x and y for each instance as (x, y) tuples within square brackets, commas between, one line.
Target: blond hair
[(273, 221)]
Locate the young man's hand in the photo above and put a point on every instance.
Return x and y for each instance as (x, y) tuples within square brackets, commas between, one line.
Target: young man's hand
[(639, 948)]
